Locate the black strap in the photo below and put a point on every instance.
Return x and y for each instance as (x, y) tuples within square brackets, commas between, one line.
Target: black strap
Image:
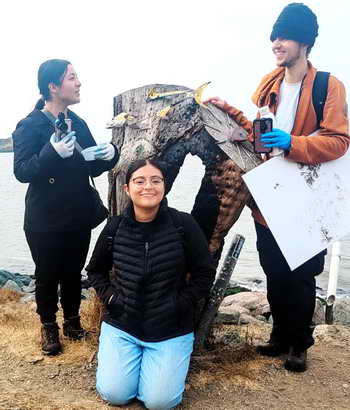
[(175, 216), (112, 232), (319, 94), (49, 116)]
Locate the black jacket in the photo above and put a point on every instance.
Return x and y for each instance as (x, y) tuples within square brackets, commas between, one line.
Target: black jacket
[(150, 296), (58, 197)]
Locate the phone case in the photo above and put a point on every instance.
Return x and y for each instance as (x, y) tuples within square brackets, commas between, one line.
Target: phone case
[(261, 126)]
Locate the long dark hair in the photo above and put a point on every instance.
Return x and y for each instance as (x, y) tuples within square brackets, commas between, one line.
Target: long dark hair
[(139, 163), (51, 71)]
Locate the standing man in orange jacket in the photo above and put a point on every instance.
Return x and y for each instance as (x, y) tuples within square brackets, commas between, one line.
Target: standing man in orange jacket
[(287, 91)]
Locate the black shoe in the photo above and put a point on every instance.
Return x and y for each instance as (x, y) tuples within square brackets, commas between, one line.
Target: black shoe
[(296, 360), (50, 342), (73, 330), (272, 349)]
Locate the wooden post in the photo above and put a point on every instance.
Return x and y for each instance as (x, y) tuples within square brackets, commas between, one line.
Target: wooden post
[(332, 282), (218, 291)]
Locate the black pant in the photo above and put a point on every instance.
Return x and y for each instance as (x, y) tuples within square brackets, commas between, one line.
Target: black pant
[(291, 294), (59, 258)]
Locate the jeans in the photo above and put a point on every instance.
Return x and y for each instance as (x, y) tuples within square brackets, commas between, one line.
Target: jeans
[(153, 372)]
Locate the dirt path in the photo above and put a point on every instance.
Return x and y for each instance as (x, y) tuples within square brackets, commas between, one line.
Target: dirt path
[(229, 377)]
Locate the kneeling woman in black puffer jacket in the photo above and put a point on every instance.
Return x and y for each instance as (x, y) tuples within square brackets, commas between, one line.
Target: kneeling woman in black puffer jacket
[(147, 332)]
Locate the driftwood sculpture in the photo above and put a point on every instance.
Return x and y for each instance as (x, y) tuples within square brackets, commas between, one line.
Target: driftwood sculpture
[(169, 122)]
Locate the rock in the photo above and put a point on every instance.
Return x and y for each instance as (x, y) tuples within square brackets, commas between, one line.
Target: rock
[(255, 302), (33, 359), (250, 307), (6, 145), (228, 316), (27, 298), (341, 311), (245, 319), (30, 288), (262, 318), (12, 285), (319, 313), (85, 294), (21, 280)]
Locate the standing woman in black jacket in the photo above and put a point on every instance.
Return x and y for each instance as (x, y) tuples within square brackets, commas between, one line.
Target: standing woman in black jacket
[(58, 204), (162, 268)]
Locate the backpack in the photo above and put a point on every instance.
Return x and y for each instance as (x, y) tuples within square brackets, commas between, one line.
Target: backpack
[(319, 94)]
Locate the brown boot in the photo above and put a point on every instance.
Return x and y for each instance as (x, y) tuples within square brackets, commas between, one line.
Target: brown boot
[(50, 342), (296, 360), (73, 330)]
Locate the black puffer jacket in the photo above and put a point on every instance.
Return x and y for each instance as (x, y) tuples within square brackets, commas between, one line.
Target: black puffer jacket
[(58, 197), (150, 297)]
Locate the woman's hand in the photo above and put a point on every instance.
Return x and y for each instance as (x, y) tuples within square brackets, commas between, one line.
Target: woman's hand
[(105, 152), (65, 146)]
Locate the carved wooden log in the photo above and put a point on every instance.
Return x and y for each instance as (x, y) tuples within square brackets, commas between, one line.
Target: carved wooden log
[(171, 126), (187, 127), (217, 293)]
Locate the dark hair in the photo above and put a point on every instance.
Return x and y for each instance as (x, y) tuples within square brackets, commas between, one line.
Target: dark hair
[(308, 50), (135, 165), (51, 71)]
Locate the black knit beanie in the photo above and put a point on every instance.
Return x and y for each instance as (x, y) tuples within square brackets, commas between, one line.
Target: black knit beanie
[(296, 22)]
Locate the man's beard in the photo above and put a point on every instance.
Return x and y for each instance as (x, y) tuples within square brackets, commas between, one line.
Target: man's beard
[(291, 61)]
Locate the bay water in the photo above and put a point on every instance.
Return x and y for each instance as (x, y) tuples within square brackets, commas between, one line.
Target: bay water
[(15, 255)]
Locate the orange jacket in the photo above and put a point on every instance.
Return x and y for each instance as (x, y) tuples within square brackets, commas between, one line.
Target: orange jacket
[(332, 140)]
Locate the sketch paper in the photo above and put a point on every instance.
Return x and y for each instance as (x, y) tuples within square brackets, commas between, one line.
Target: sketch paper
[(306, 207)]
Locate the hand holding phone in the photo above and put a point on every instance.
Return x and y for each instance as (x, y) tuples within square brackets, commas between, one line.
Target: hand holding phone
[(63, 126), (261, 126)]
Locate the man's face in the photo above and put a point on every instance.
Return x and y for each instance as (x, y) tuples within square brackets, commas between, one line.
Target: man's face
[(288, 52)]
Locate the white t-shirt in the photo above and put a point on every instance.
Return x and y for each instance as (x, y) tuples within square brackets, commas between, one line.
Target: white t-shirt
[(287, 106)]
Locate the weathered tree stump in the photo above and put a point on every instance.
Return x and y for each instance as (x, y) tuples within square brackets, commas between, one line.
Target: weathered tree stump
[(152, 122)]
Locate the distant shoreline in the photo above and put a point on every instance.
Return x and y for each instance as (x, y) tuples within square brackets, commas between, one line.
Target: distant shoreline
[(6, 145)]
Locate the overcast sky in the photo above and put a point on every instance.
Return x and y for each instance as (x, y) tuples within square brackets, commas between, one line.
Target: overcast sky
[(118, 45)]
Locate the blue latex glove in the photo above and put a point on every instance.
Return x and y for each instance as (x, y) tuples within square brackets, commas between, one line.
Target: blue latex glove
[(276, 138)]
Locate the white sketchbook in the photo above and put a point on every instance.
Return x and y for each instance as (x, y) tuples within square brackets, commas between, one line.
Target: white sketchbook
[(306, 207)]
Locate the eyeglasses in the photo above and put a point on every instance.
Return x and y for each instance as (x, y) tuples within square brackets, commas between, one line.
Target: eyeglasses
[(142, 181)]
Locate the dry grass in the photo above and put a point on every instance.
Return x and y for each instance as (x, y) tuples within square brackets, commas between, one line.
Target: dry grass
[(8, 295), (20, 330), (231, 361)]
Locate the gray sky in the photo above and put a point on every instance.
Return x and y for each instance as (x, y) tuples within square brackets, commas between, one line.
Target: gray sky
[(118, 45)]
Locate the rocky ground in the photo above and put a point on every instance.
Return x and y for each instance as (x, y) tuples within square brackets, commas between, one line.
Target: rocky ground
[(229, 376)]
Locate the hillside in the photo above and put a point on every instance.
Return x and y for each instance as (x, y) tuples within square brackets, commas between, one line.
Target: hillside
[(6, 145)]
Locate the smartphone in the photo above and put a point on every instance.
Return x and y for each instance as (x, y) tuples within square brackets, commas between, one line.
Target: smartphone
[(63, 126), (260, 126)]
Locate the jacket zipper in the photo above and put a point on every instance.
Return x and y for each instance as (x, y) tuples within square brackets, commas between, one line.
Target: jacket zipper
[(146, 255), (145, 268)]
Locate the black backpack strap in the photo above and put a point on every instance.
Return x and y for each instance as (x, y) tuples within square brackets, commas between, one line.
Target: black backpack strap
[(319, 94), (113, 228), (176, 218)]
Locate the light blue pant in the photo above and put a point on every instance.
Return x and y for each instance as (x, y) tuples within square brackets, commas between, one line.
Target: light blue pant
[(154, 372)]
